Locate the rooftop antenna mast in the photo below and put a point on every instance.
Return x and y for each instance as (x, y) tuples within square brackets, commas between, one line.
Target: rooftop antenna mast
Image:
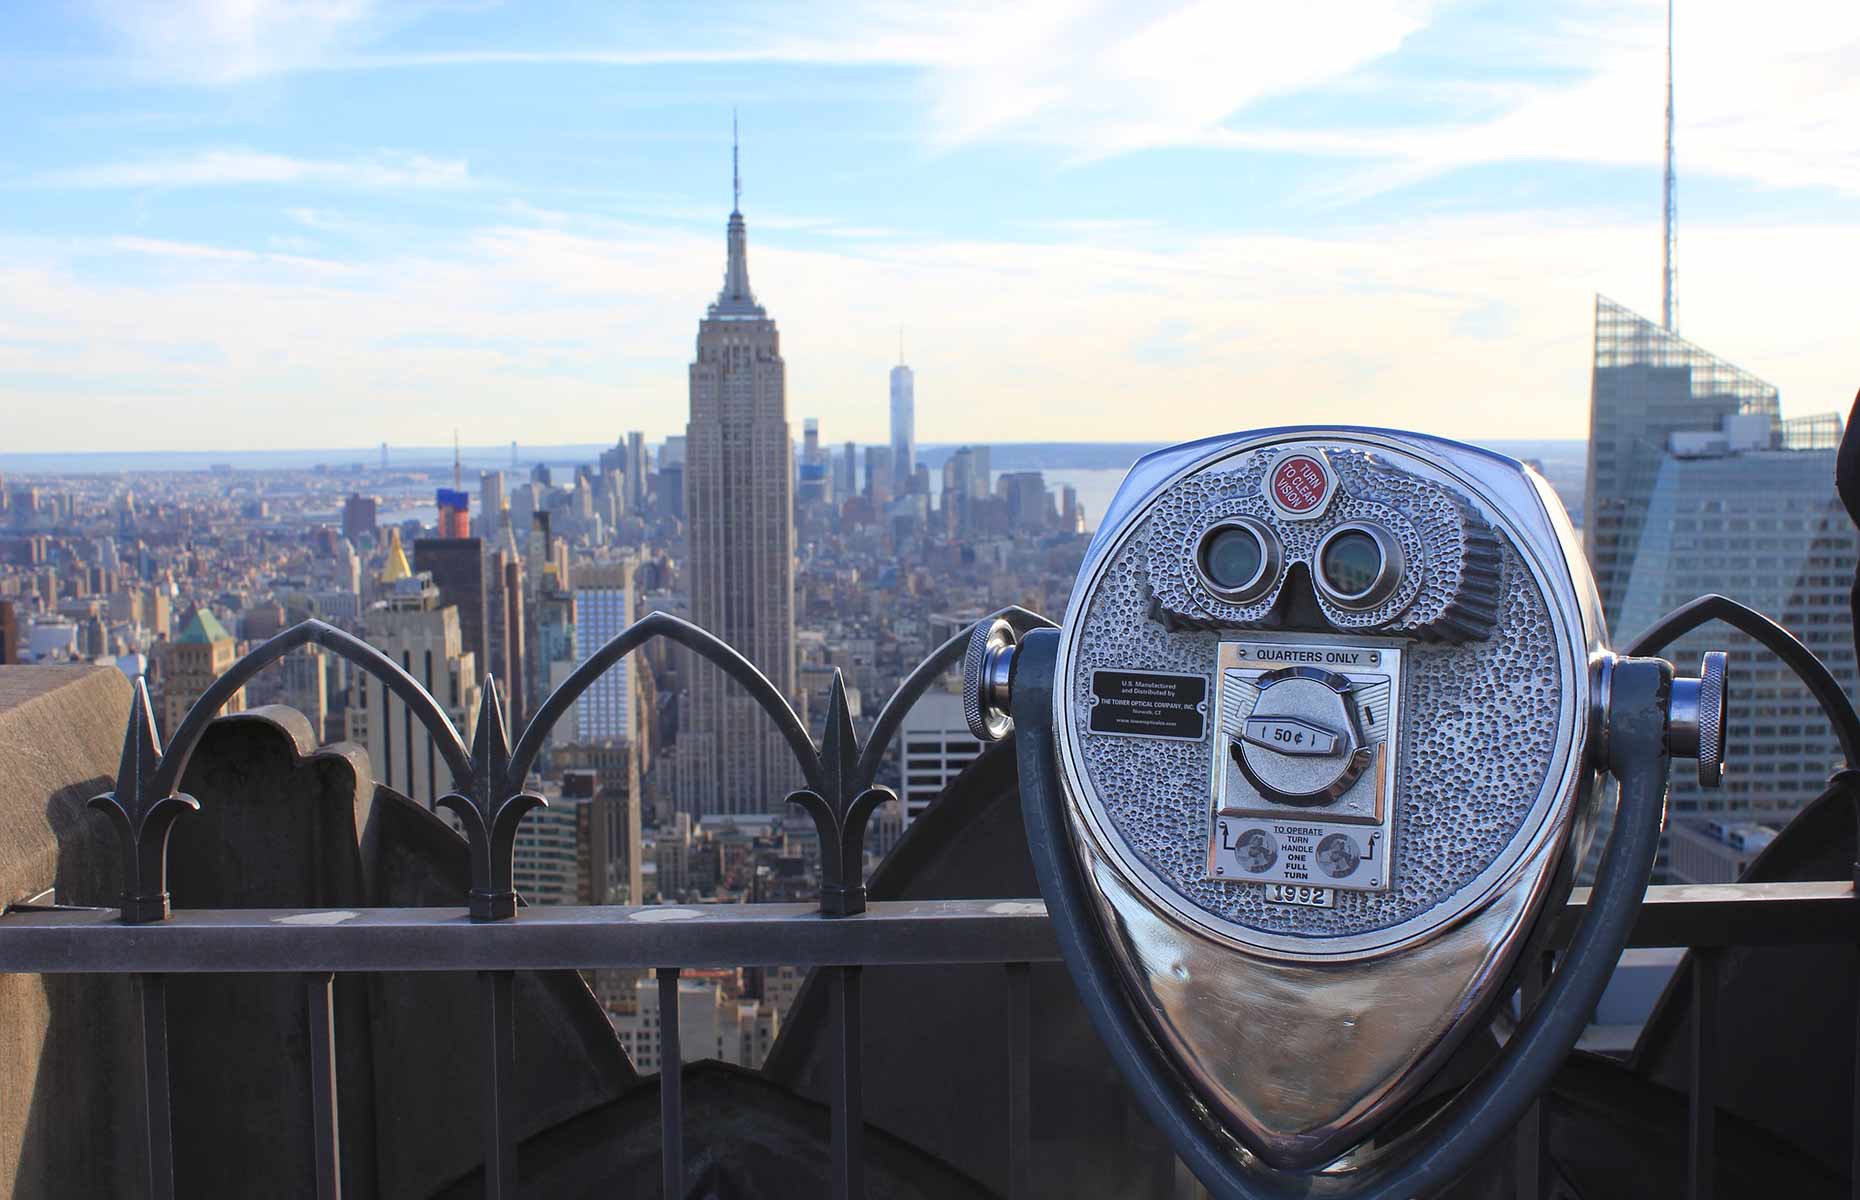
[(1669, 279), (736, 174), (457, 469)]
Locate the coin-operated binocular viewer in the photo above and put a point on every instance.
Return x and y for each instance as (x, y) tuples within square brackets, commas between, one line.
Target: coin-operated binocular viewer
[(1306, 770)]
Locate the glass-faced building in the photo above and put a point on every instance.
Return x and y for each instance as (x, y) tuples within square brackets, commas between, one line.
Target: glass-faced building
[(1765, 527), (1696, 485), (1648, 383), (903, 428)]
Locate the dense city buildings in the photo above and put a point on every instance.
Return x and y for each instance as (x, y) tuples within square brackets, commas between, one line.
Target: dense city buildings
[(119, 569), (821, 557), (714, 1021), (739, 514)]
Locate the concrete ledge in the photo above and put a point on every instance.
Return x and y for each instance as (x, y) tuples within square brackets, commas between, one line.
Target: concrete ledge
[(61, 734), (65, 1041)]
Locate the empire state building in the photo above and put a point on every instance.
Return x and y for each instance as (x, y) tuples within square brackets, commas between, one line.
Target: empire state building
[(739, 509)]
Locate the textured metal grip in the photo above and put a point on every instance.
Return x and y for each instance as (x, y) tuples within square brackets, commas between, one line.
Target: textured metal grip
[(1714, 694), (1696, 718), (987, 673)]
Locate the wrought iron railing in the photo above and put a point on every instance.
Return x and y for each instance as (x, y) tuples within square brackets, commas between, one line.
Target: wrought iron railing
[(839, 936)]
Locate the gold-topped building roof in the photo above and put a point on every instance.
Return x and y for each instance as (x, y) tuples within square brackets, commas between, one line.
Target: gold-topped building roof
[(396, 568)]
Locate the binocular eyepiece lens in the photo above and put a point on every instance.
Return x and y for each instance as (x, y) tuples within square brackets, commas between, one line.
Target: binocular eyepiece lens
[(1232, 557), (1238, 559), (1359, 565), (1351, 562)]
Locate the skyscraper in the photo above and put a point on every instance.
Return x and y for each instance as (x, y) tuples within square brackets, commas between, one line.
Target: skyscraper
[(603, 610), (1695, 485), (507, 635), (490, 505), (457, 565), (607, 723), (546, 864), (635, 471), (358, 517), (814, 478), (670, 498), (1029, 504), (935, 747), (198, 656), (903, 427), (454, 513), (1647, 385), (878, 474), (412, 627), (739, 512), (1751, 515)]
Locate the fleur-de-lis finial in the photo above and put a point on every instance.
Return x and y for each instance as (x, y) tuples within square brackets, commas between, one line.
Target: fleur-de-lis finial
[(840, 809), (490, 806), (142, 818)]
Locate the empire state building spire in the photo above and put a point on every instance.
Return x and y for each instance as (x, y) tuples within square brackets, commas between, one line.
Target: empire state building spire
[(736, 300), (739, 527)]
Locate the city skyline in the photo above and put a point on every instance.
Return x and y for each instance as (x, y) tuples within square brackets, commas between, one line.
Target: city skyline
[(232, 214)]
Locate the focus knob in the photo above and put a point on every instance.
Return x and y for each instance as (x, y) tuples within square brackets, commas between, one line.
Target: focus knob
[(1696, 716), (987, 680)]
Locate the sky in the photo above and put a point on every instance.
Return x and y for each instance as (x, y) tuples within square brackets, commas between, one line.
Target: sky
[(256, 224)]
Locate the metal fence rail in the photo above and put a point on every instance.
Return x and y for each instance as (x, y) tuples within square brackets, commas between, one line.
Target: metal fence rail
[(841, 936), (488, 799), (887, 934), (890, 933), (1012, 933)]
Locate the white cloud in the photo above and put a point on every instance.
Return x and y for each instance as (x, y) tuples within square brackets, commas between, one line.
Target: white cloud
[(386, 171), (1767, 100), (1095, 76), (231, 41), (1104, 78), (1474, 327)]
